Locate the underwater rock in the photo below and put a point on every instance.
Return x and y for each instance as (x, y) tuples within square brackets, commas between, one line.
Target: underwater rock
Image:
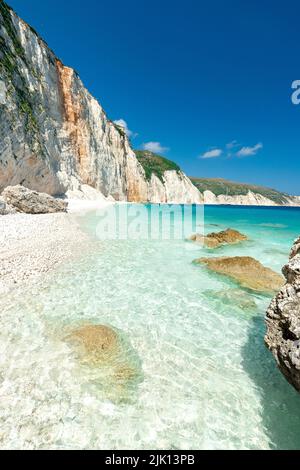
[(236, 297), (109, 357), (283, 321), (98, 342), (247, 271), (31, 202), (215, 239)]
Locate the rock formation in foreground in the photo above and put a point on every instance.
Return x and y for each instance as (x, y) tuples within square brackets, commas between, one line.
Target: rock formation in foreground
[(283, 321), (216, 239), (20, 199), (247, 271), (55, 137)]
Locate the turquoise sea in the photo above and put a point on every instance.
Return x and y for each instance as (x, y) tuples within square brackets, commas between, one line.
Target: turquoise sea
[(206, 380)]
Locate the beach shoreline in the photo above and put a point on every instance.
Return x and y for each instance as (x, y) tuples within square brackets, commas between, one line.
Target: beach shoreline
[(31, 246)]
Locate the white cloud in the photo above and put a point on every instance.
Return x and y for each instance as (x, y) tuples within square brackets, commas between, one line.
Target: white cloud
[(123, 123), (248, 151), (232, 145), (214, 153), (154, 147)]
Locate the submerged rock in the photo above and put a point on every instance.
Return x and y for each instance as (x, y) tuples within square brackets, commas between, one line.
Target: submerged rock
[(215, 239), (249, 272), (236, 297), (283, 321), (31, 202), (98, 342), (110, 358)]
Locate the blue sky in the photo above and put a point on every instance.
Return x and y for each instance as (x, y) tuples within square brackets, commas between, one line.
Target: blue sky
[(196, 78)]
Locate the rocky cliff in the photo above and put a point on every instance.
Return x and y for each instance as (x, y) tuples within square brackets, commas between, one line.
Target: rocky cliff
[(55, 137), (221, 191), (249, 199), (283, 321)]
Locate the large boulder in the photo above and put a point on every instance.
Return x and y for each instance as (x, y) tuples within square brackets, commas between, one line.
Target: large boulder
[(32, 202), (283, 321), (247, 271), (216, 239)]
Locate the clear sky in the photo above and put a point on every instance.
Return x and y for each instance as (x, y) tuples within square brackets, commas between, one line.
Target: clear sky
[(190, 77)]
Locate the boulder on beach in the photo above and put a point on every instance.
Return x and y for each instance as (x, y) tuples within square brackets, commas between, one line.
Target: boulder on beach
[(31, 202), (247, 271), (5, 208), (216, 239), (110, 357)]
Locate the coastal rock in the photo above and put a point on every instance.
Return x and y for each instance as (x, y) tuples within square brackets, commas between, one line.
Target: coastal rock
[(295, 249), (247, 271), (31, 202), (216, 239), (6, 209), (283, 321)]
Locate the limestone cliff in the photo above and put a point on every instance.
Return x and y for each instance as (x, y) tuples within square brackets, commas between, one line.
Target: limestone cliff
[(55, 137), (283, 321), (221, 191), (165, 180), (250, 199)]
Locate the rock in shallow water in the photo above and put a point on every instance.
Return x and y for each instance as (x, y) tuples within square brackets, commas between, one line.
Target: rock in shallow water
[(98, 342), (283, 321), (216, 239), (112, 362), (236, 297), (249, 272), (31, 202)]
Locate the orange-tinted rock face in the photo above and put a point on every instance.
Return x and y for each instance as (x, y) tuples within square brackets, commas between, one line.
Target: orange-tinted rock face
[(74, 125)]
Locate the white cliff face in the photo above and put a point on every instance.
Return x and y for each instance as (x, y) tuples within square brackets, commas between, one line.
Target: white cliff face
[(175, 188), (180, 188), (55, 137), (250, 199)]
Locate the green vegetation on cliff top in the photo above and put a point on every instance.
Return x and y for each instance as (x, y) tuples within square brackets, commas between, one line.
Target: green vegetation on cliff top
[(153, 163), (10, 67), (221, 186)]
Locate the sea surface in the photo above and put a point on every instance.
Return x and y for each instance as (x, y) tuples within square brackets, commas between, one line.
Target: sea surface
[(204, 379)]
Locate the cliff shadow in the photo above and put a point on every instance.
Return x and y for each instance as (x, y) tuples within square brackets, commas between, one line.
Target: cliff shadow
[(280, 402)]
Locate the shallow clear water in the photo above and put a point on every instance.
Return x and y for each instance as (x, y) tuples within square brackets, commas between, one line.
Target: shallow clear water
[(206, 379)]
